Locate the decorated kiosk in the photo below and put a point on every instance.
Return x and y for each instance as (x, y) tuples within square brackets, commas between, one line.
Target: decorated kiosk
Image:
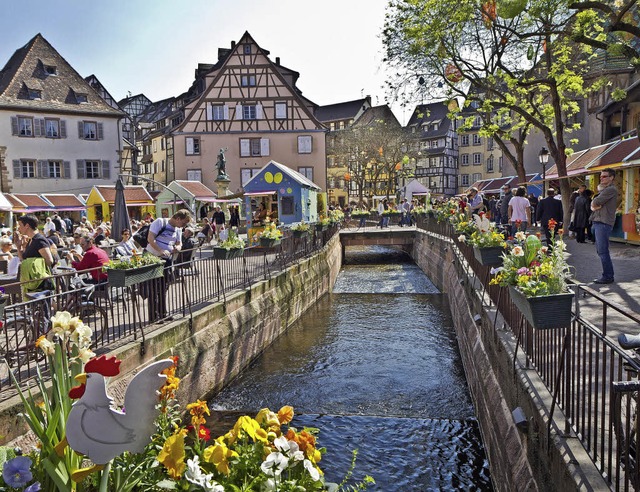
[(280, 194)]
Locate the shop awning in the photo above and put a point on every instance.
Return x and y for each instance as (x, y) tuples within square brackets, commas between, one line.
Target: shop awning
[(5, 204), (27, 202), (261, 193), (173, 202)]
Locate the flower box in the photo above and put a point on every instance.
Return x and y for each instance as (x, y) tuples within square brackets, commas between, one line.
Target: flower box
[(392, 214), (490, 256), (360, 215), (266, 242), (321, 227), (227, 254), (132, 276), (299, 234), (544, 312)]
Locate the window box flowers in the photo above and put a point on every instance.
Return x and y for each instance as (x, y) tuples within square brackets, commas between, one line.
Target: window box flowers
[(336, 216), (538, 280), (126, 272), (301, 229), (322, 224), (270, 236), (232, 247), (359, 214), (488, 244)]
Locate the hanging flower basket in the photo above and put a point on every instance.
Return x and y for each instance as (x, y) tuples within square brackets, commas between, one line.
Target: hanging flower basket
[(227, 254), (300, 234), (132, 276), (491, 256), (268, 243), (544, 312)]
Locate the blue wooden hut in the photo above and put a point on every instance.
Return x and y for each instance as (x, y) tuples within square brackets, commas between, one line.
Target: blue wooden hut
[(287, 195)]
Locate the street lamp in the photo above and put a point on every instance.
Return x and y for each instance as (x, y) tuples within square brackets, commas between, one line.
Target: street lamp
[(543, 157)]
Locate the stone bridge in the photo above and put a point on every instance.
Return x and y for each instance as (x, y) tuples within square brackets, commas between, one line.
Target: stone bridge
[(400, 238)]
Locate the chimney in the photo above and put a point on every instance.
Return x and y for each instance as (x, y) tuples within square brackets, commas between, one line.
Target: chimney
[(233, 44), (277, 60)]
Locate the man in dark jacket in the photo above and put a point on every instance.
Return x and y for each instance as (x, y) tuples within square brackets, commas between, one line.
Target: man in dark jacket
[(504, 206), (549, 208)]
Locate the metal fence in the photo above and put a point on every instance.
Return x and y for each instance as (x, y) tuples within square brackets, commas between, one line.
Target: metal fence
[(117, 314), (581, 365)]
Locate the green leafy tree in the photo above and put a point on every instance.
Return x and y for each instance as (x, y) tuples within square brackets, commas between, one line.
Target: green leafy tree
[(519, 55)]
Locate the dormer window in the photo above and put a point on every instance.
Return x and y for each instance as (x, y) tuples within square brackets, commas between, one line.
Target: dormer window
[(247, 49), (34, 94), (50, 70), (81, 97)]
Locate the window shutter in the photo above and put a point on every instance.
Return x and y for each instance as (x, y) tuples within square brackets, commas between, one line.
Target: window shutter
[(238, 111), (63, 129), (17, 169), (245, 147), (106, 171), (81, 168), (209, 111), (66, 169), (100, 131), (38, 127), (258, 111), (81, 130), (14, 125), (264, 146), (43, 169), (225, 110), (189, 144)]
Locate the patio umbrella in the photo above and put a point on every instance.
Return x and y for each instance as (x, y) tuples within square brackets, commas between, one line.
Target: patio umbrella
[(120, 219)]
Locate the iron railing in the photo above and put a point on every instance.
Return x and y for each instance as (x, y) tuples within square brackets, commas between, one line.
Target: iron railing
[(116, 314), (581, 365)]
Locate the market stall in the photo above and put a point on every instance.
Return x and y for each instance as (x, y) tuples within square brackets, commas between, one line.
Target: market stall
[(192, 195), (282, 195), (101, 200)]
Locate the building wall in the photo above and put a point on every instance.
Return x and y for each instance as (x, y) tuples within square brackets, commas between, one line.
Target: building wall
[(282, 149), (70, 149)]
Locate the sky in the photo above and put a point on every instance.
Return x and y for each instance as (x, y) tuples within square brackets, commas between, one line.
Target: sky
[(154, 46)]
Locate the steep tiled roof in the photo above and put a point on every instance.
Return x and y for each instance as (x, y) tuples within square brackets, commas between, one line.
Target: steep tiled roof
[(196, 188), (430, 113), (378, 113), (341, 111), (132, 194), (26, 69)]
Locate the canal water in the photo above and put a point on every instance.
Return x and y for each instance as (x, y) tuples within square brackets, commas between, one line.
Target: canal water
[(375, 366)]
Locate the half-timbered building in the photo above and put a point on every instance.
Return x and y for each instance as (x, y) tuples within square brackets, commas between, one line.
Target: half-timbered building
[(251, 107)]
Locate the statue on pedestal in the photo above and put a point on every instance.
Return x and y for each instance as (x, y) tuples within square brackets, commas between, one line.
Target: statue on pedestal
[(221, 165)]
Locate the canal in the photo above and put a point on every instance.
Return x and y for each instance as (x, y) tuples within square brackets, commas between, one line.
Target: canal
[(375, 366)]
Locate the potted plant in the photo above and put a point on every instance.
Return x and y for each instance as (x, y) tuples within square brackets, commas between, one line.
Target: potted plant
[(322, 224), (128, 271), (488, 244), (537, 277), (232, 247), (301, 229), (270, 236)]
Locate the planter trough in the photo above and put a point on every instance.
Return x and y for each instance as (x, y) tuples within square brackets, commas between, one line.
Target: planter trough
[(491, 256), (132, 276), (544, 312)]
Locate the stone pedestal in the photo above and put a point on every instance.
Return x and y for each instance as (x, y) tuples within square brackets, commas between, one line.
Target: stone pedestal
[(223, 185)]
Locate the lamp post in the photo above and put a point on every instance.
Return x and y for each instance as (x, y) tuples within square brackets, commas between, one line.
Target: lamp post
[(543, 157)]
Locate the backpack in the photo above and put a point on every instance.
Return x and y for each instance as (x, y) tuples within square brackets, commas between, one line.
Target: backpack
[(486, 204), (141, 236)]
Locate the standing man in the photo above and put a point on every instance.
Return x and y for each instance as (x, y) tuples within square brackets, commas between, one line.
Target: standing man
[(549, 208), (504, 207), (604, 206), (219, 219), (164, 240)]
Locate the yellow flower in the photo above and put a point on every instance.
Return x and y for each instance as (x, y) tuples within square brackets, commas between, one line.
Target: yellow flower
[(269, 419), (285, 414), (197, 411), (45, 345), (172, 455), (251, 428), (219, 454)]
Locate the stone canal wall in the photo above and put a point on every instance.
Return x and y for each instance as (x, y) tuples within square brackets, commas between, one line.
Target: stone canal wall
[(224, 337), (519, 460)]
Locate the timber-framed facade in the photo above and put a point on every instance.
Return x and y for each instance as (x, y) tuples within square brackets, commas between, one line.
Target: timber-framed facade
[(251, 107)]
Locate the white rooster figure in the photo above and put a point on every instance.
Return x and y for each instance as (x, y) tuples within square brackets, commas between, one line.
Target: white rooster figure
[(97, 430)]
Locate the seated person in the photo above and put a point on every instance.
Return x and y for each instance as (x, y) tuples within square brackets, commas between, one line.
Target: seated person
[(126, 247), (5, 249), (261, 215), (188, 245), (92, 257), (99, 235)]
